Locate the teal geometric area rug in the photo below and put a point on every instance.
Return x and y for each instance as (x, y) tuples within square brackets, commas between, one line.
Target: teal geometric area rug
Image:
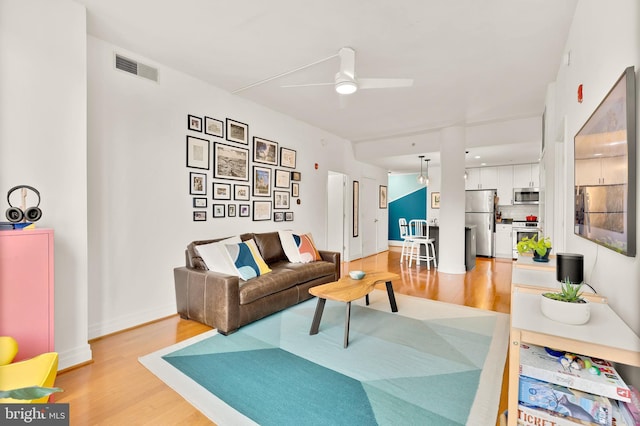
[(431, 363)]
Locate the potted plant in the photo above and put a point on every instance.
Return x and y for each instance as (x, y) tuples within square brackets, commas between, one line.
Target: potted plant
[(540, 247), (566, 306)]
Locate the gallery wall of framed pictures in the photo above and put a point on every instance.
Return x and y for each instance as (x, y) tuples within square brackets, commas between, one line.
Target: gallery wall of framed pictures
[(243, 177)]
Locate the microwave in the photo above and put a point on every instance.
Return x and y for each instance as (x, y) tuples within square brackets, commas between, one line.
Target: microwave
[(526, 196)]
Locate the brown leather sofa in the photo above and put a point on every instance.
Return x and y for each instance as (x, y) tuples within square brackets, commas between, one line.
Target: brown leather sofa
[(227, 302)]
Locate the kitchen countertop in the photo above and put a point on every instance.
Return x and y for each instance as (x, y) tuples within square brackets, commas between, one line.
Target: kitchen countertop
[(465, 226)]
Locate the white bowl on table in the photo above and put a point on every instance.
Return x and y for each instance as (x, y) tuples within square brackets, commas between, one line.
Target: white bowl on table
[(356, 275)]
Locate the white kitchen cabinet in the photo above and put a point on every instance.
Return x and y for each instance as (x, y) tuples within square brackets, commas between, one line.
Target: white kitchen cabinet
[(504, 241), (601, 171), (505, 185), (482, 178), (526, 175)]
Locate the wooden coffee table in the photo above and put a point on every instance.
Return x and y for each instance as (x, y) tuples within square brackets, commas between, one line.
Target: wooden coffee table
[(346, 289)]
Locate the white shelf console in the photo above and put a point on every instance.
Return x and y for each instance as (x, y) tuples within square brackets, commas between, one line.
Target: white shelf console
[(605, 336)]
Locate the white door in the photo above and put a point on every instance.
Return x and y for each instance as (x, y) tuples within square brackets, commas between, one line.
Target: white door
[(336, 213), (368, 216)]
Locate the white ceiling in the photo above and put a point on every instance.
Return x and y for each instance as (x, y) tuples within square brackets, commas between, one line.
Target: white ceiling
[(472, 61)]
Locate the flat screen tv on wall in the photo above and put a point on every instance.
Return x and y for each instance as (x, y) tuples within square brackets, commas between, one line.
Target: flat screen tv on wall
[(605, 170)]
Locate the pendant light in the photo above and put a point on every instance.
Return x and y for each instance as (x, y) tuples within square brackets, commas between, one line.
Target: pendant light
[(426, 182), (421, 179)]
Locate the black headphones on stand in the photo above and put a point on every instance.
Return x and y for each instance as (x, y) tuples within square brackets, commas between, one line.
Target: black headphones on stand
[(15, 214)]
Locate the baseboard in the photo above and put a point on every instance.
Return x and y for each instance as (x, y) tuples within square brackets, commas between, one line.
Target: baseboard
[(79, 355), (121, 323)]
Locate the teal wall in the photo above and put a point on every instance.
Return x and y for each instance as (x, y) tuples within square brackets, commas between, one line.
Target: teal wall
[(407, 199)]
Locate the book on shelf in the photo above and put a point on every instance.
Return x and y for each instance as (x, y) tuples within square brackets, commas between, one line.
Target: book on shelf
[(534, 416), (535, 362), (631, 410), (566, 401)]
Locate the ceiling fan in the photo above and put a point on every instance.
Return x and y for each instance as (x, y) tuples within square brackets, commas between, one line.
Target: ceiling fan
[(346, 82)]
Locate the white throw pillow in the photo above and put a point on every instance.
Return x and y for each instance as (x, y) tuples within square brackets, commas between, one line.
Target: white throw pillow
[(289, 246), (216, 256)]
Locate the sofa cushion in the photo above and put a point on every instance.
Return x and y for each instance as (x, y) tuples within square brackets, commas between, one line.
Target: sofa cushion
[(307, 249), (299, 248), (310, 271), (216, 257), (270, 247), (289, 246), (247, 260), (279, 279)]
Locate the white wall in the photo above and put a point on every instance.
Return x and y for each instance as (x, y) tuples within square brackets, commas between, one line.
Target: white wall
[(604, 39), (43, 143), (139, 204)]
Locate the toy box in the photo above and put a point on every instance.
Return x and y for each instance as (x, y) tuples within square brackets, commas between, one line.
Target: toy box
[(570, 402), (534, 416), (536, 363)]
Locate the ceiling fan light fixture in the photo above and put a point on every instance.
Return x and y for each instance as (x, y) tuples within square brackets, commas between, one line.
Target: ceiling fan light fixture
[(346, 87)]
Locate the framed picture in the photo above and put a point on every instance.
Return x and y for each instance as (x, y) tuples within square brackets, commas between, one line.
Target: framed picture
[(288, 216), (199, 216), (230, 162), (435, 200), (231, 210), (356, 206), (197, 153), (278, 216), (261, 210), (382, 197), (200, 202), (218, 210), (280, 199), (244, 210), (213, 127), (197, 183), (194, 123), (287, 158), (296, 176), (241, 192), (265, 151), (295, 189), (283, 179), (261, 181), (237, 131), (221, 191)]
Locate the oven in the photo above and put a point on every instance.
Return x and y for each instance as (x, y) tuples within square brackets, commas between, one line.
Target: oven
[(522, 230)]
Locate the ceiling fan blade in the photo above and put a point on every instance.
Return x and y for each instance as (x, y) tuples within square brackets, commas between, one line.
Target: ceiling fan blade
[(383, 83), (309, 84), (348, 62)]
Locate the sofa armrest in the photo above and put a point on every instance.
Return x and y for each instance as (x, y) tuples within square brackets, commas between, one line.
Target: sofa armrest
[(209, 297), (333, 257)]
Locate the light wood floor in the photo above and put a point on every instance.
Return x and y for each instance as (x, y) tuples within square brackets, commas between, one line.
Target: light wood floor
[(115, 389)]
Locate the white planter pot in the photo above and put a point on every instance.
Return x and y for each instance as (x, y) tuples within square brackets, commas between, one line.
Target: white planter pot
[(565, 312)]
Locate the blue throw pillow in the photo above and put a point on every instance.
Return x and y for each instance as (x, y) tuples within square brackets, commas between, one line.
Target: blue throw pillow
[(247, 260)]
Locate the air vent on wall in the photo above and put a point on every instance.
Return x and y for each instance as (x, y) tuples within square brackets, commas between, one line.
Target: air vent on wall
[(136, 68)]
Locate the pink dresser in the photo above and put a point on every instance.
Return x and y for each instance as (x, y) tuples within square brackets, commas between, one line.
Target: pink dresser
[(26, 290)]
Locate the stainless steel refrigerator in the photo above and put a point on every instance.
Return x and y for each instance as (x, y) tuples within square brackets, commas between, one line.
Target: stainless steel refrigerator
[(480, 211)]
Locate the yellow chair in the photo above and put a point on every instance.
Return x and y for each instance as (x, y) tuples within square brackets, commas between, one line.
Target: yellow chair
[(40, 370)]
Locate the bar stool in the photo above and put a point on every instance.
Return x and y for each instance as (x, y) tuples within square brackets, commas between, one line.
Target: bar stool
[(406, 240), (419, 234)]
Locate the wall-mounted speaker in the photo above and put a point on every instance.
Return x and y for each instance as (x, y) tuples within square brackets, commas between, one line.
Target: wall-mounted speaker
[(571, 266)]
